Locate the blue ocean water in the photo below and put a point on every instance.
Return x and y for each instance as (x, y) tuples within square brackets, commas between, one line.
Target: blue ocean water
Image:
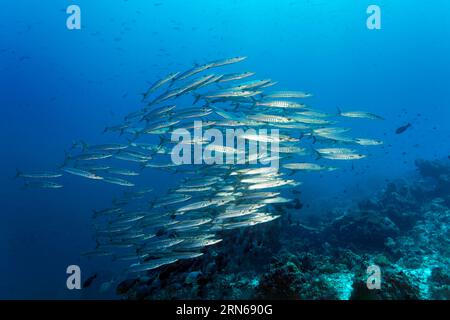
[(61, 85)]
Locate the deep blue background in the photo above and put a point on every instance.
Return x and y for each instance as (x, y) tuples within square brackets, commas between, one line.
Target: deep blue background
[(59, 85)]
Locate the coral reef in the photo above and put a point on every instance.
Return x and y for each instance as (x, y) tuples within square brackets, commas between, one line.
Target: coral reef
[(403, 230)]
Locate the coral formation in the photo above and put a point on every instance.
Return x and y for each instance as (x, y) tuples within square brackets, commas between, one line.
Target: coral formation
[(403, 230)]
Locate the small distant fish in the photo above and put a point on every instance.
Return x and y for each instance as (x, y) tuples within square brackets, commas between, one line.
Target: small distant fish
[(260, 218), (120, 128), (82, 173), (95, 167), (196, 206), (197, 244), (336, 153), (159, 83), (108, 211), (189, 224), (309, 120), (359, 114), (272, 184), (231, 94), (343, 156), (220, 63), (194, 70), (150, 265), (87, 283), (212, 80), (123, 172), (102, 147), (136, 114), (38, 175), (89, 156), (256, 171), (96, 253), (235, 76), (105, 286), (172, 199), (307, 167), (23, 58), (270, 118), (368, 142), (43, 185), (184, 255), (251, 85), (155, 245), (222, 149), (276, 200), (158, 112), (163, 125), (120, 182), (402, 129), (128, 157), (280, 104), (287, 94)]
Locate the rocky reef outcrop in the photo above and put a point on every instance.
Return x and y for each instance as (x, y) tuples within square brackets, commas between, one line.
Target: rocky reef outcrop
[(404, 229)]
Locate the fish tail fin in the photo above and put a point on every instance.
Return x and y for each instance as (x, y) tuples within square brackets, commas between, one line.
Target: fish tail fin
[(311, 135), (144, 96), (130, 141), (18, 173), (142, 165), (74, 144), (316, 153), (84, 145), (301, 136), (162, 140), (66, 158), (136, 135), (196, 96), (339, 111)]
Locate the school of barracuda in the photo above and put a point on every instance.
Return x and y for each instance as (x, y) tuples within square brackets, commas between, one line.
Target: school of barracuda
[(148, 229)]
